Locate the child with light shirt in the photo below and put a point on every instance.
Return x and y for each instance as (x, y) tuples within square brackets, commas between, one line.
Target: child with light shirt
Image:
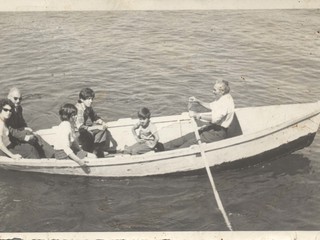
[(147, 137), (66, 145)]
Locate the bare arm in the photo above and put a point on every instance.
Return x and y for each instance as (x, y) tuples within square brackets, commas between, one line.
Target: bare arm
[(133, 130), (18, 133), (81, 162), (155, 135), (76, 159), (202, 103), (3, 146), (204, 116), (156, 140), (4, 149)]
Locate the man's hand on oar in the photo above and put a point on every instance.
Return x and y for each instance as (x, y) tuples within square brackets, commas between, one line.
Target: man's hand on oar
[(194, 115)]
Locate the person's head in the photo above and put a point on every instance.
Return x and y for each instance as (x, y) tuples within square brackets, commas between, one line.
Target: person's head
[(6, 108), (86, 96), (67, 112), (15, 96), (221, 87), (144, 116)]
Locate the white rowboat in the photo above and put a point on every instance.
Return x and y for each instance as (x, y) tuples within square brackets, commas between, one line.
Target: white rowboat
[(256, 134)]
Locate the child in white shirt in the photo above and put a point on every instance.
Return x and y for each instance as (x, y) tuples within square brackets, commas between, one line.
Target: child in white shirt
[(66, 145), (147, 137)]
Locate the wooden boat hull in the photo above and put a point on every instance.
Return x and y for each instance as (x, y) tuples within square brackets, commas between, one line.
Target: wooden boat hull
[(289, 131)]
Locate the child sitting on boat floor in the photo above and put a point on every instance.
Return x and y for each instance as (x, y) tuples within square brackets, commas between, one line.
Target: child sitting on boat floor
[(147, 137), (66, 145)]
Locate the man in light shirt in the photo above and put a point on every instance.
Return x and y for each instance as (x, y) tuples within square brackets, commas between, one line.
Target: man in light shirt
[(219, 119)]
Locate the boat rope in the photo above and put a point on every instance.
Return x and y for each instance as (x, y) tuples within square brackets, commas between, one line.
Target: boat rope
[(214, 189)]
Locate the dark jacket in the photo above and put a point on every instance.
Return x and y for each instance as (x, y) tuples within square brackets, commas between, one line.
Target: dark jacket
[(90, 116), (16, 125), (85, 117)]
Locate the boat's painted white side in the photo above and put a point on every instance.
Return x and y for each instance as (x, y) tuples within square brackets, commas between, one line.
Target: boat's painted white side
[(264, 129)]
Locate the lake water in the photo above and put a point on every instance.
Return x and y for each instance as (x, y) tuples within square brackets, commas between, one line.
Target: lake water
[(158, 59)]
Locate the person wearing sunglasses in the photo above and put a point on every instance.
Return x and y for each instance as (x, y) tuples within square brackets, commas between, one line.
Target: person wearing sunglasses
[(19, 130), (217, 120), (7, 148)]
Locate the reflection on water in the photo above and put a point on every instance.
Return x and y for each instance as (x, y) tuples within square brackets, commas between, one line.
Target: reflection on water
[(292, 164), (183, 202)]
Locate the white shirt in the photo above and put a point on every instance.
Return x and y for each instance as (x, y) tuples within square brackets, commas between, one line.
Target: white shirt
[(65, 136), (146, 133), (222, 110)]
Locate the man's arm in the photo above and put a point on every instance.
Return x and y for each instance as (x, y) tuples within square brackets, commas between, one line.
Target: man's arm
[(202, 103), (22, 122), (95, 117), (19, 134)]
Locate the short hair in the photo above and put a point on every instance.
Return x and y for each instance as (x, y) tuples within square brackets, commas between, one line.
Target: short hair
[(144, 113), (86, 93), (4, 102), (225, 84), (12, 90), (67, 111)]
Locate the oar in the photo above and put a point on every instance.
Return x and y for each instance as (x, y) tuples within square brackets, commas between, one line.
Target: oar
[(204, 158)]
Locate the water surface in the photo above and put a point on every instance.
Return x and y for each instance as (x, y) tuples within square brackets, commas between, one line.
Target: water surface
[(158, 59)]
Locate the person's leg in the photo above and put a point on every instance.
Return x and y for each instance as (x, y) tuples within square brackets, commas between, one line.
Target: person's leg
[(100, 137), (140, 148), (110, 144), (86, 140), (159, 147), (44, 149), (129, 149), (26, 150), (137, 148), (213, 135), (184, 141), (191, 141), (60, 155)]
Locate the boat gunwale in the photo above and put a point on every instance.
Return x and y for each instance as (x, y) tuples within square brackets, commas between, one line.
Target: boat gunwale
[(158, 156)]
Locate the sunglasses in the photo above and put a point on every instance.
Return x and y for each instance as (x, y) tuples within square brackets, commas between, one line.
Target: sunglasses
[(17, 98), (7, 110)]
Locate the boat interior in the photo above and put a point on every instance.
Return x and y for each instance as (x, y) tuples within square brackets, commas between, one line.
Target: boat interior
[(246, 121), (168, 129)]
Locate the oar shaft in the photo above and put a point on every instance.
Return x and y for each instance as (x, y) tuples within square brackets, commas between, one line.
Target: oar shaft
[(214, 189)]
